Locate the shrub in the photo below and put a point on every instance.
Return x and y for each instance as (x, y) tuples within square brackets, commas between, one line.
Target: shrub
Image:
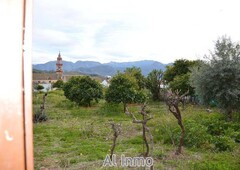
[(39, 87), (224, 143), (197, 135), (83, 90), (58, 84), (210, 132), (39, 117)]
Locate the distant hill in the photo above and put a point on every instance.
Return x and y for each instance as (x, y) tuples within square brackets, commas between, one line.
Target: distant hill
[(92, 67)]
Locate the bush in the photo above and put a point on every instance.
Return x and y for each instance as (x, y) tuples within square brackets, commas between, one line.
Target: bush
[(39, 87), (236, 137), (39, 117), (58, 84), (224, 143), (83, 90), (210, 132), (197, 136), (217, 128)]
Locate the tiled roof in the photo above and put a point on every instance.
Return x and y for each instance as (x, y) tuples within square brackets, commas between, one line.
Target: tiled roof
[(44, 76)]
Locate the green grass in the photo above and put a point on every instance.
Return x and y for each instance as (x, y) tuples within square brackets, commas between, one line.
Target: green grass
[(80, 137)]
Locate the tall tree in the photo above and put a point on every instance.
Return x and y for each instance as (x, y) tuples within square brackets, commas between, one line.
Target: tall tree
[(219, 78), (83, 90), (177, 75), (182, 83), (137, 73), (178, 68), (124, 89), (153, 82)]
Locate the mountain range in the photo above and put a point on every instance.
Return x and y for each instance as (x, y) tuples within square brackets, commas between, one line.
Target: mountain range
[(93, 67)]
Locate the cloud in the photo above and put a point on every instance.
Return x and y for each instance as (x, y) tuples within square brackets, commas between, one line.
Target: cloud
[(124, 30)]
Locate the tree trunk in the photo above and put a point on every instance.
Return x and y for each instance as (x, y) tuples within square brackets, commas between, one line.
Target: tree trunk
[(116, 130), (145, 141), (179, 150), (113, 145)]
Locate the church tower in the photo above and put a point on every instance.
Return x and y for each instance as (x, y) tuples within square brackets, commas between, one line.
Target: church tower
[(59, 70)]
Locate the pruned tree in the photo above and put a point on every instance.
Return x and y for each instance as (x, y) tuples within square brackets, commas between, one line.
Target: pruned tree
[(172, 99), (116, 132), (145, 118)]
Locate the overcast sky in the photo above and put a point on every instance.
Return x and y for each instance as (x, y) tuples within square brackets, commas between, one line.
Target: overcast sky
[(131, 30)]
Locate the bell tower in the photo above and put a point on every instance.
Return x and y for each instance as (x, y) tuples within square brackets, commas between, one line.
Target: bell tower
[(59, 70)]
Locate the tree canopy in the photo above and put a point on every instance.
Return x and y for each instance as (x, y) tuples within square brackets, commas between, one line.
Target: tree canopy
[(219, 78), (124, 89), (177, 75), (58, 84), (83, 90), (179, 67), (136, 72), (154, 79)]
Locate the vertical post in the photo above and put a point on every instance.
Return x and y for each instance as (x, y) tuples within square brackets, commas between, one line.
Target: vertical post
[(27, 82), (15, 87)]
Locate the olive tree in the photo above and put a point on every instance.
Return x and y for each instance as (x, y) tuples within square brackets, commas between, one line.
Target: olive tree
[(219, 78)]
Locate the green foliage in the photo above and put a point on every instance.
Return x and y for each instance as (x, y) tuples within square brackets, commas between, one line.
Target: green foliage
[(179, 67), (223, 143), (197, 135), (58, 84), (207, 133), (83, 90), (110, 109), (182, 83), (154, 79), (124, 89), (137, 73), (219, 78), (177, 75), (76, 138), (212, 165), (39, 87)]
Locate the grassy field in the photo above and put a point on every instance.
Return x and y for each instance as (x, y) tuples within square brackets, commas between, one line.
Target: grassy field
[(80, 137)]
